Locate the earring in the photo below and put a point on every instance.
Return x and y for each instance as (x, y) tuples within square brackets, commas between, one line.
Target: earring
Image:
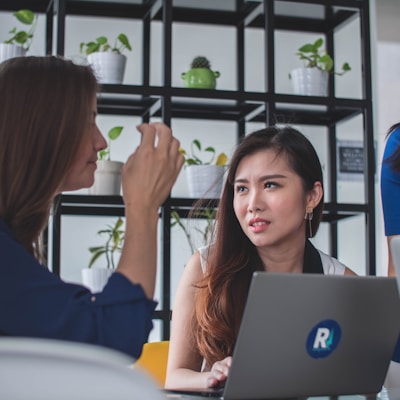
[(309, 216)]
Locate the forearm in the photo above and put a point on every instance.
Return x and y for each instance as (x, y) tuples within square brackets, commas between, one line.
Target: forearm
[(138, 260), (182, 378)]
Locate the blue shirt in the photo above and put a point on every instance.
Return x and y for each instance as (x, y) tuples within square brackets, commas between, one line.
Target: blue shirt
[(390, 186), (390, 194), (35, 302)]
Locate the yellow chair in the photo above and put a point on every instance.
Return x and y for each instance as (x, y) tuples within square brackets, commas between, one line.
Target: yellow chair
[(154, 359)]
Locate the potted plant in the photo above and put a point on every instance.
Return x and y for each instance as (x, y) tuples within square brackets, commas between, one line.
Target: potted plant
[(108, 61), (107, 178), (312, 79), (96, 278), (200, 75), (207, 214), (204, 178), (20, 41)]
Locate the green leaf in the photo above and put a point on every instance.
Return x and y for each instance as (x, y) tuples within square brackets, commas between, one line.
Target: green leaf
[(307, 48), (318, 43), (101, 40), (95, 257), (197, 143), (21, 37), (104, 154), (346, 67), (125, 41), (25, 16), (115, 132)]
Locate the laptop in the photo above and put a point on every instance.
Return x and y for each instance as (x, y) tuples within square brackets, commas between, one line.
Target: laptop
[(312, 335)]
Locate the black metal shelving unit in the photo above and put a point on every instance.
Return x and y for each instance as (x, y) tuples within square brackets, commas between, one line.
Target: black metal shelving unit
[(323, 17)]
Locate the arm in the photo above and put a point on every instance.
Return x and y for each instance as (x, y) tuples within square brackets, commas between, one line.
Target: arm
[(348, 271), (391, 269), (147, 179), (34, 302), (37, 303), (184, 361)]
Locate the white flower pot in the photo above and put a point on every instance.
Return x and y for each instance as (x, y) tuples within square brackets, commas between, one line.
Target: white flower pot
[(109, 67), (10, 51), (107, 178), (205, 181), (309, 82), (96, 278)]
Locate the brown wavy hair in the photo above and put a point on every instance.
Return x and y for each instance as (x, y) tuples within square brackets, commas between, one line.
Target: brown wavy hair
[(45, 104), (232, 259)]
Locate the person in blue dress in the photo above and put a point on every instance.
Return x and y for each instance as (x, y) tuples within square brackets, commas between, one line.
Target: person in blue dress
[(49, 141), (390, 195)]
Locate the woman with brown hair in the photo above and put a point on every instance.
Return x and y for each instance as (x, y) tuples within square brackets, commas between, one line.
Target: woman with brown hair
[(49, 143), (272, 202)]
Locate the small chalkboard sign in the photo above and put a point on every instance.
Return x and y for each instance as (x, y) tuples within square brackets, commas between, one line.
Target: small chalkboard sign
[(350, 160)]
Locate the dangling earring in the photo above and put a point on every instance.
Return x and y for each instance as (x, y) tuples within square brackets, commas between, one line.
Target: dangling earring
[(309, 216)]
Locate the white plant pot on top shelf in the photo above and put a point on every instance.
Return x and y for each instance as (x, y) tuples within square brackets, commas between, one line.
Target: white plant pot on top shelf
[(309, 81), (109, 67), (8, 51)]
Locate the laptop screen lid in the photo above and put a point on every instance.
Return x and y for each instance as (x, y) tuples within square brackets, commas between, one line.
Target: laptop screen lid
[(311, 335)]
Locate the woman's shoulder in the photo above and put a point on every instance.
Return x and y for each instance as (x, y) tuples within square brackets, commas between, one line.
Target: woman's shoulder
[(392, 142), (331, 265)]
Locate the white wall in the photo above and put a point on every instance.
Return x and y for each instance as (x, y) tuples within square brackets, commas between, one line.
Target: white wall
[(191, 40)]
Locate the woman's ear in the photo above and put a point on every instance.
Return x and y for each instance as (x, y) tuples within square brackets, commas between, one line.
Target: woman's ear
[(315, 195)]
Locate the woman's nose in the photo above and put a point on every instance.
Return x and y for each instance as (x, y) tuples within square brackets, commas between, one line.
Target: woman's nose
[(100, 142), (256, 202)]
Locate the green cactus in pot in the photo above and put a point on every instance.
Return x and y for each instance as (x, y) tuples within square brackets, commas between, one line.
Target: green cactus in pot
[(200, 75)]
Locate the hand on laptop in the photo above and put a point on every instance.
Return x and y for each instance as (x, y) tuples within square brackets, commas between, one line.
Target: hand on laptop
[(219, 372)]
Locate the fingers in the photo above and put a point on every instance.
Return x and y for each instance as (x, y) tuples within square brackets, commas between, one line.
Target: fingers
[(166, 141), (148, 134), (219, 372), (151, 130)]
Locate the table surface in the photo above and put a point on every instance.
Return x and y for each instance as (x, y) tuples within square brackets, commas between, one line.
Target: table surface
[(385, 394)]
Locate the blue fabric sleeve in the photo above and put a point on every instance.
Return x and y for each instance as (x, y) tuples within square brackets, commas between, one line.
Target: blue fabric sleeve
[(390, 186), (390, 194), (35, 302)]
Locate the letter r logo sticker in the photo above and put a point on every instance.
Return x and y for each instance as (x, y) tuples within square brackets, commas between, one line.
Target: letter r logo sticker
[(323, 338)]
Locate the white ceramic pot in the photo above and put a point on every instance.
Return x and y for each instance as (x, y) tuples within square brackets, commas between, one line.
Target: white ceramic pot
[(205, 181), (109, 67), (10, 51), (96, 278), (309, 82), (107, 178)]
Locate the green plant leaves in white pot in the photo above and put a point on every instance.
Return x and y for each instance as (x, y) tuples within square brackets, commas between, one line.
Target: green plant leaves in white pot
[(107, 178), (204, 171), (20, 40), (312, 79), (107, 60)]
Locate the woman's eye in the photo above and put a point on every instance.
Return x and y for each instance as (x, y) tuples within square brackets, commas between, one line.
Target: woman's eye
[(269, 185), (240, 189)]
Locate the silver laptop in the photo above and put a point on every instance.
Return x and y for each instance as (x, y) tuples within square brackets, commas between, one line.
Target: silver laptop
[(313, 335)]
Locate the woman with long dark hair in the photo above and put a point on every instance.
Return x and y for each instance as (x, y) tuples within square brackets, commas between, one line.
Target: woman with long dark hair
[(272, 202), (49, 141)]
